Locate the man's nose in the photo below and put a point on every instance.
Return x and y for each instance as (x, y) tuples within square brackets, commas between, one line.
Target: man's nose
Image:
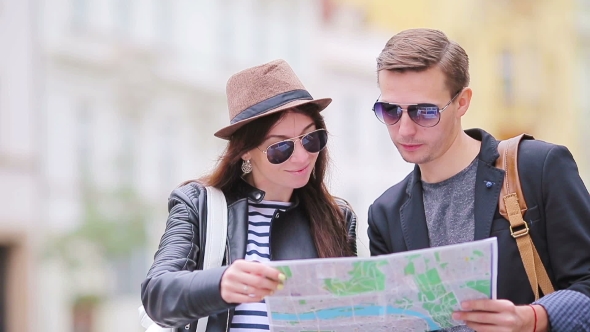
[(407, 127)]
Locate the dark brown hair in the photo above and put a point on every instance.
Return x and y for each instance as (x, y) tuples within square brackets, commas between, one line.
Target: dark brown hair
[(328, 226), (420, 49)]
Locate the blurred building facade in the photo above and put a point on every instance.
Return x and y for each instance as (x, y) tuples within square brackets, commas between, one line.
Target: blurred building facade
[(529, 61), (132, 94), (119, 101), (19, 162), (125, 122)]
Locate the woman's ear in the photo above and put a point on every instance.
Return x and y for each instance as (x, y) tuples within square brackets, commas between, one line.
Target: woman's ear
[(246, 156)]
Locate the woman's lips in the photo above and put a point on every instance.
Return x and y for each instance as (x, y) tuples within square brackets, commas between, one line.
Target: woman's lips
[(299, 171)]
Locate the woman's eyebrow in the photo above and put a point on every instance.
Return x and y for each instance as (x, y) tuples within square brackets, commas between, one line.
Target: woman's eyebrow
[(286, 137)]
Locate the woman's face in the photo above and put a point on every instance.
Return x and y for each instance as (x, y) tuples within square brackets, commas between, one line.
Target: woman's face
[(279, 180)]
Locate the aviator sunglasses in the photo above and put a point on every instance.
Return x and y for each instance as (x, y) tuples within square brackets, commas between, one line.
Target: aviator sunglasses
[(313, 142), (423, 114)]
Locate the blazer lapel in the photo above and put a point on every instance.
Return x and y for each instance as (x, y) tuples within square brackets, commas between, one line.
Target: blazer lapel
[(413, 220), (488, 184)]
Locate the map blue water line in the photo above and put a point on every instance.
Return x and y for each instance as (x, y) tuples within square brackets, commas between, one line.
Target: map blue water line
[(348, 312)]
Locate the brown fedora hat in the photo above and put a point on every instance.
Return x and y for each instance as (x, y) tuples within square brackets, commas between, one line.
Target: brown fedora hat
[(262, 90)]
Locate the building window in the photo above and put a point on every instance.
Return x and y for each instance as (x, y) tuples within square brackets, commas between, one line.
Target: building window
[(226, 17), (351, 127), (123, 16), (84, 142), (166, 155), (126, 162), (507, 72), (163, 20), (79, 18), (79, 13), (294, 47), (261, 28)]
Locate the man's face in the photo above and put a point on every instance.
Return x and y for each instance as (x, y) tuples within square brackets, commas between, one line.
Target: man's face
[(417, 144)]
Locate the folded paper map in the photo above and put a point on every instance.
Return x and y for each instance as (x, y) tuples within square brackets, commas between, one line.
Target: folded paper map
[(410, 291)]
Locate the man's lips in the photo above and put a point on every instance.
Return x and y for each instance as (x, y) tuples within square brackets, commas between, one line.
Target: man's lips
[(410, 147)]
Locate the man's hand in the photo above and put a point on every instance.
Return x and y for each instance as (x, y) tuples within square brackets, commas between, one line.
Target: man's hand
[(501, 316)]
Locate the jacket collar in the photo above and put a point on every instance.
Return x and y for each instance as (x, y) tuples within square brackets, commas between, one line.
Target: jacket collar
[(487, 190), (488, 183), (245, 190)]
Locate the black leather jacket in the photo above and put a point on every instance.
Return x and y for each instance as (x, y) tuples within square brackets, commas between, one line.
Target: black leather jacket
[(176, 293)]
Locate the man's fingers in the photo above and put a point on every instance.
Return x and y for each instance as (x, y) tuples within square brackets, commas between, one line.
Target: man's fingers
[(483, 327), (486, 305), (474, 316)]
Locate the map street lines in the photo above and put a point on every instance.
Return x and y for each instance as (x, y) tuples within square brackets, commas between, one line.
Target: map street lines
[(409, 291)]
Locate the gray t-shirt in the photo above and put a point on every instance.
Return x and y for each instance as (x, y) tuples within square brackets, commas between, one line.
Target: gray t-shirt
[(448, 206)]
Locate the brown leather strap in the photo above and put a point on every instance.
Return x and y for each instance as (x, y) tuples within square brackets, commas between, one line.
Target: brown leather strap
[(512, 206)]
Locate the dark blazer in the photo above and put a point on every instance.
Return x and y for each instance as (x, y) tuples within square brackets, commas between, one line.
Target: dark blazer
[(177, 292), (558, 216)]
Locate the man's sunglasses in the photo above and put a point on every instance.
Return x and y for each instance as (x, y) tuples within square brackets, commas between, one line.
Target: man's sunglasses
[(312, 142), (423, 114)]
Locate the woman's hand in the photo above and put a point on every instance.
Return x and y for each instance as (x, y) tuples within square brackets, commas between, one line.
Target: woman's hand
[(502, 315), (245, 281)]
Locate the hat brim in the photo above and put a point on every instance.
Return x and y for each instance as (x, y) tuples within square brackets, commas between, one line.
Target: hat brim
[(227, 132)]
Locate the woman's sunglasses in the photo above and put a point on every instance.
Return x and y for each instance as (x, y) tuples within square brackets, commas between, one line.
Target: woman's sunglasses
[(423, 114), (280, 152)]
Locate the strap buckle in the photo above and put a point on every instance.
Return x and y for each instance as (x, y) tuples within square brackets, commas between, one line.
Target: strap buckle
[(521, 232)]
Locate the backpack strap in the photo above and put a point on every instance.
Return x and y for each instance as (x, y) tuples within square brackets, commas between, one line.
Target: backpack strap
[(216, 228), (216, 236), (512, 206)]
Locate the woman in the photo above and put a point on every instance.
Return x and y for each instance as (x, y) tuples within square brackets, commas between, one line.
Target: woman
[(272, 173)]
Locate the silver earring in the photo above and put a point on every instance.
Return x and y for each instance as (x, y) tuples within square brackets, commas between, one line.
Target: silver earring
[(246, 166)]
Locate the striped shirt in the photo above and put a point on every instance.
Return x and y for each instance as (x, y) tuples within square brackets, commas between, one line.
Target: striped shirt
[(252, 316)]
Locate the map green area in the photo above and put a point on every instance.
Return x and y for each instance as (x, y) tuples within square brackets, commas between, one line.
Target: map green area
[(412, 291), (364, 277)]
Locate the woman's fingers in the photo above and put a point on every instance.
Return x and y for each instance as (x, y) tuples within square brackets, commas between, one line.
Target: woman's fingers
[(252, 274), (260, 269), (245, 281)]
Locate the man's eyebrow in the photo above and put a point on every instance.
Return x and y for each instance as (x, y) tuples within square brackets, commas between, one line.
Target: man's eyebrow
[(286, 137)]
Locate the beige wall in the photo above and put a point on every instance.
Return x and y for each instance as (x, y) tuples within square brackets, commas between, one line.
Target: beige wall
[(532, 46)]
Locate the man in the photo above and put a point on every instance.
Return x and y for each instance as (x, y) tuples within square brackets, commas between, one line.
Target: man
[(452, 194)]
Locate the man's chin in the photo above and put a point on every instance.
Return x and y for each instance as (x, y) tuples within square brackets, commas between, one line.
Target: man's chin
[(413, 159)]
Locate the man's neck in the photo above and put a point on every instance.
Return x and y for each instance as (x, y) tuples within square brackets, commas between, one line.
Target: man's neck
[(459, 155)]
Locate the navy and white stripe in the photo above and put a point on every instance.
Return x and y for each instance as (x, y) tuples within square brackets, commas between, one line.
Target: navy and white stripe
[(252, 316)]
